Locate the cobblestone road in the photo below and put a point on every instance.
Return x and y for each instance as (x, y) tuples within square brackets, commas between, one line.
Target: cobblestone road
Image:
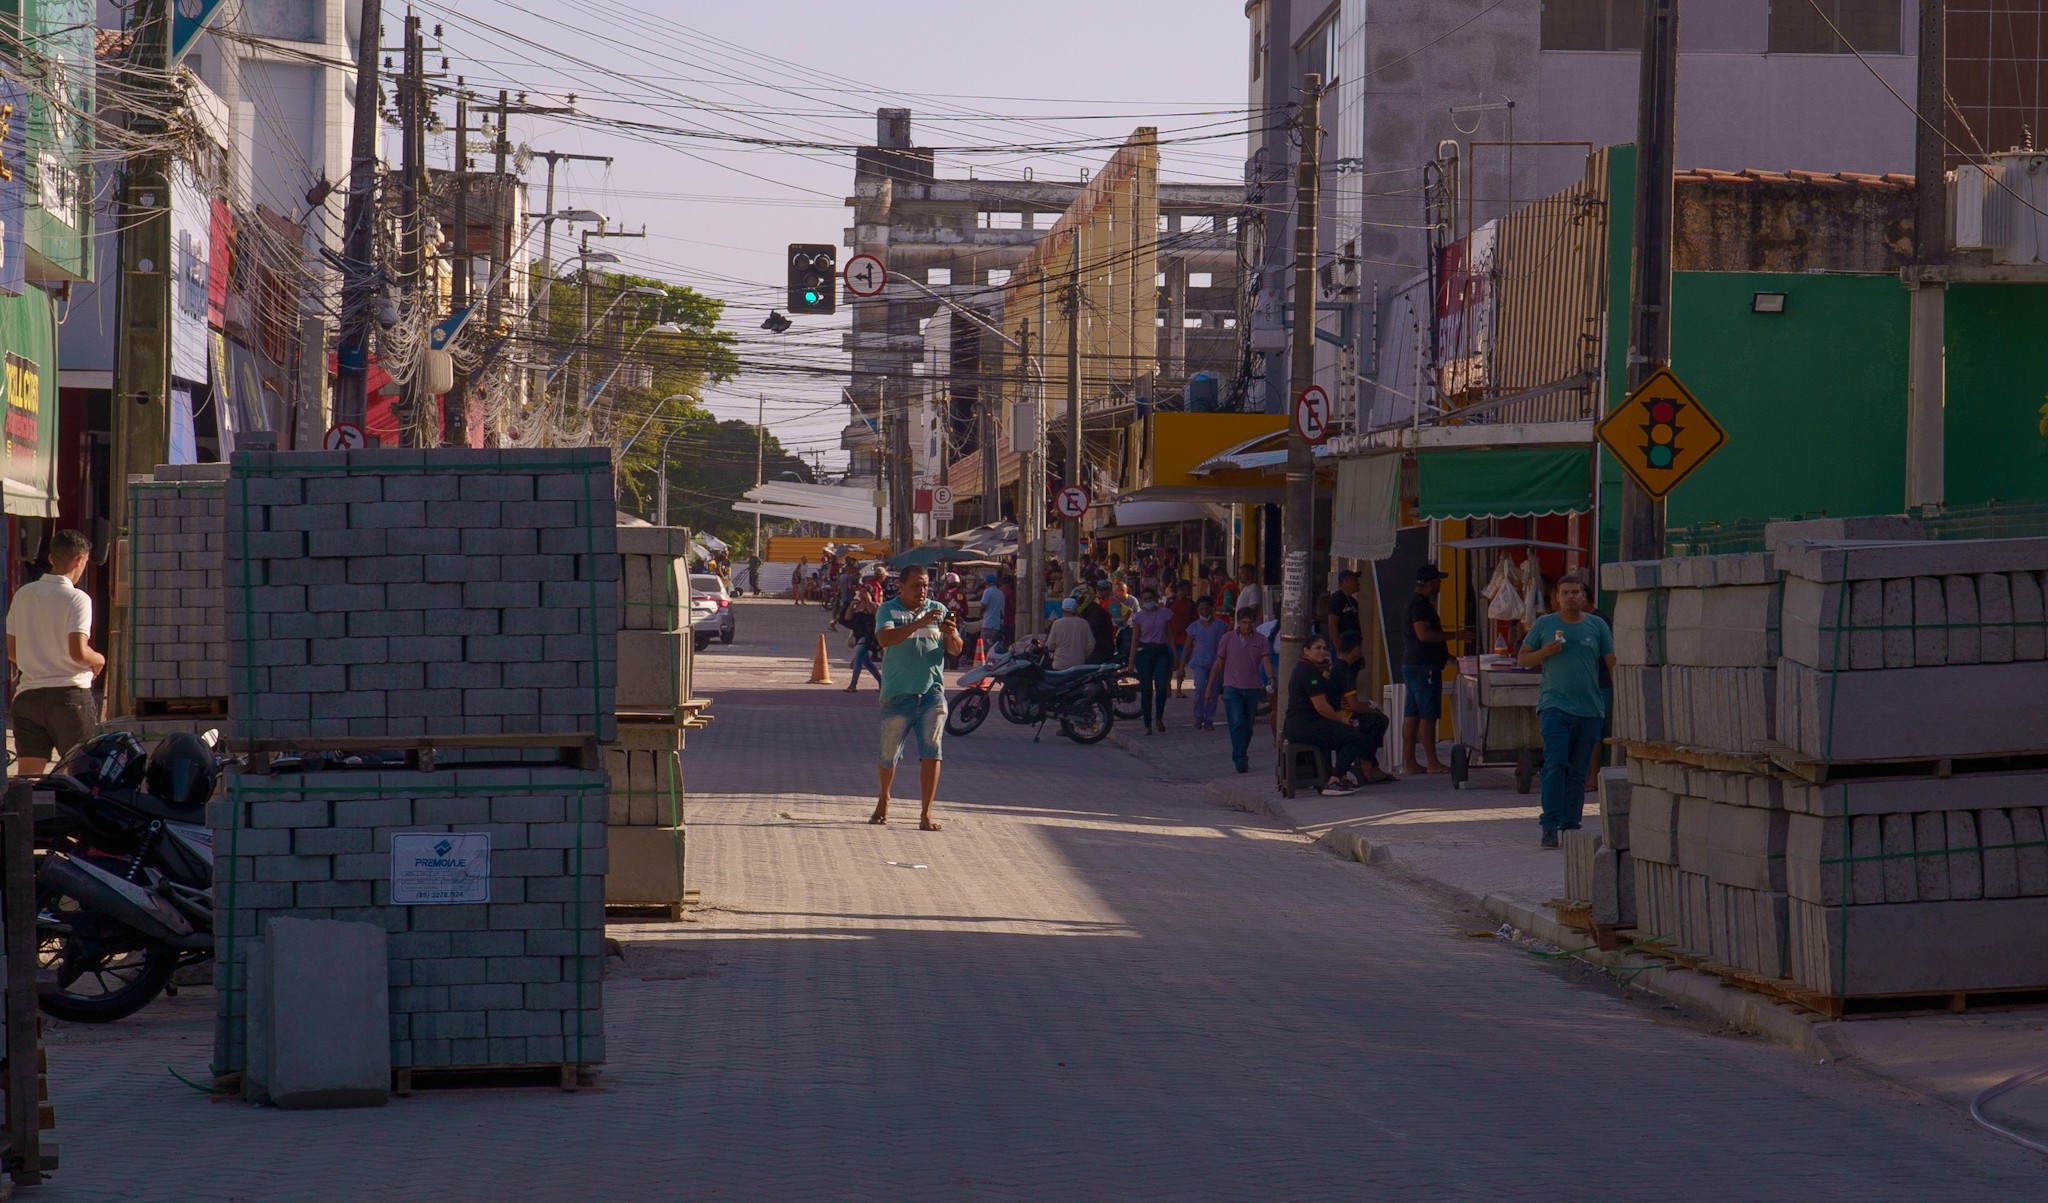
[(1094, 984)]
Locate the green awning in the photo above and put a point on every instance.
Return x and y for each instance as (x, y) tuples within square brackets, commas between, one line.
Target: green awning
[(1504, 482)]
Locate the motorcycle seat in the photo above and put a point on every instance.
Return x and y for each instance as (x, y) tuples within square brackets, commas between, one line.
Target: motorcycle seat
[(1067, 676)]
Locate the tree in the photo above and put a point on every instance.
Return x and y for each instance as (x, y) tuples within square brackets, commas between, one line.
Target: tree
[(710, 466)]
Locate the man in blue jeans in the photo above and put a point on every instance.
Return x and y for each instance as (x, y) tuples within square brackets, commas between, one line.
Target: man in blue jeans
[(1424, 652), (1571, 646), (916, 634), (1240, 678)]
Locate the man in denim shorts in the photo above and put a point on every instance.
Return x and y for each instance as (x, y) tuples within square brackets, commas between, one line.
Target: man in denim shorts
[(1424, 653), (916, 635)]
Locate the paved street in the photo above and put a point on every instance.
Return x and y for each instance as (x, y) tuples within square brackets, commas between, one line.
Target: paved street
[(1099, 982)]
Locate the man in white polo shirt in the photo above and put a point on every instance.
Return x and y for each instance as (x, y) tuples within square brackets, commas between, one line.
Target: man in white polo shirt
[(49, 626)]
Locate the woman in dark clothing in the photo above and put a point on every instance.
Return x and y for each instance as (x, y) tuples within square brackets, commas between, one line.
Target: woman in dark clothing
[(1312, 720), (860, 624)]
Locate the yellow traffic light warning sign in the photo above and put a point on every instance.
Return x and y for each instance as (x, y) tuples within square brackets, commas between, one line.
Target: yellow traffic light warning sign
[(1661, 433)]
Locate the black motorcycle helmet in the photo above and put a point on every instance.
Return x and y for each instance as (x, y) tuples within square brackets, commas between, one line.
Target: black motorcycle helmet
[(113, 760), (182, 771)]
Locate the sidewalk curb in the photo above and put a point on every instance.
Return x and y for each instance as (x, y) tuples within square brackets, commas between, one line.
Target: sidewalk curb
[(1698, 994)]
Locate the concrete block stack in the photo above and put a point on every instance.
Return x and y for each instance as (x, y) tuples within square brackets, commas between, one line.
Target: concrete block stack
[(514, 980), (413, 593), (654, 619), (176, 652), (1893, 843), (647, 836), (460, 599)]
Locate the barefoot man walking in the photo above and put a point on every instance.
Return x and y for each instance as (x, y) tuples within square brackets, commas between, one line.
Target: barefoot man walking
[(916, 635)]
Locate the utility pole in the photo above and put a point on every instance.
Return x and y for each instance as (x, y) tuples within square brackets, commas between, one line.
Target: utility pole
[(359, 230), (1298, 513), (1030, 495), (454, 418), (902, 527), (991, 466), (539, 384), (1925, 485), (143, 339), (501, 247), (412, 122), (1642, 516), (1071, 305), (760, 450)]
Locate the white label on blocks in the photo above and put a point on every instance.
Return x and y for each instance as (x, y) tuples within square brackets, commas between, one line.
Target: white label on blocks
[(432, 867)]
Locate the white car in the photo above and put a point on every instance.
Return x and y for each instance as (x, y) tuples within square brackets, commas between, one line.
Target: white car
[(710, 609)]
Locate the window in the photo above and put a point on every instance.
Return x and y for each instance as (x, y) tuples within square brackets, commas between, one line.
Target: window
[(1201, 280), (938, 275), (1002, 220), (998, 276), (1592, 24), (1870, 26), (1191, 323), (1318, 52)]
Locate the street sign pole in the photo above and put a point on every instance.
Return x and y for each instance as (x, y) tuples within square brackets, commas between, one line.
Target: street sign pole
[(1642, 516)]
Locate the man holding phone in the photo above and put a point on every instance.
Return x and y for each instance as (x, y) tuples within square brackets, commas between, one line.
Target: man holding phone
[(1570, 646), (916, 635)]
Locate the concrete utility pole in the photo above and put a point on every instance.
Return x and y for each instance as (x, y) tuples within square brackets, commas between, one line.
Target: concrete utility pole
[(760, 450), (1030, 494), (1298, 514), (1925, 485), (1642, 517), (991, 467), (359, 231), (902, 528), (453, 417), (1071, 305), (142, 361), (412, 122), (542, 342)]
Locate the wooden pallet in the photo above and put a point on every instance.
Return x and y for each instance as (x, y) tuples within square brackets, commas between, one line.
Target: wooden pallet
[(575, 750), (672, 911), (1700, 758), (182, 708), (1828, 772), (552, 1075)]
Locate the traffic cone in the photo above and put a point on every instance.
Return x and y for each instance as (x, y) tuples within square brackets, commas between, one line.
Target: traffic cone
[(821, 666)]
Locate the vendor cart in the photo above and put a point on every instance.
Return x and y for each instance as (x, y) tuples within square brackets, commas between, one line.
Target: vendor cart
[(1494, 699), (1495, 702)]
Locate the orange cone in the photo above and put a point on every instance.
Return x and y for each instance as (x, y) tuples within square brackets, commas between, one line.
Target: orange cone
[(821, 666)]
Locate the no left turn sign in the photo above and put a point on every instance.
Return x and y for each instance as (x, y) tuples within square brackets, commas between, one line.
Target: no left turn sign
[(1312, 414)]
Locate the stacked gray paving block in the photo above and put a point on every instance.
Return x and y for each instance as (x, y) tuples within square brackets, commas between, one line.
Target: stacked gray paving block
[(177, 636), (1614, 881), (511, 981), (654, 618), (646, 832), (413, 593), (1861, 878)]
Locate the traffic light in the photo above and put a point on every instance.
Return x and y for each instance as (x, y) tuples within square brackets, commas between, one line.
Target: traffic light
[(813, 277), (1660, 432)]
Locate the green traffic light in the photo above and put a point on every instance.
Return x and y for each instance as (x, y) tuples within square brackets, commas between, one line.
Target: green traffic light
[(812, 297)]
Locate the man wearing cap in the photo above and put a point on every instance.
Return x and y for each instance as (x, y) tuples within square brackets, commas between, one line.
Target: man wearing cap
[(1424, 653), (1071, 638)]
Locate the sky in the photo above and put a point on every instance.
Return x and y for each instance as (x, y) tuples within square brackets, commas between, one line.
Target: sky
[(719, 213)]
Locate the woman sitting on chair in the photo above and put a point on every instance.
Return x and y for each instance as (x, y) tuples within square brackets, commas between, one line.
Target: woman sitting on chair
[(1312, 720)]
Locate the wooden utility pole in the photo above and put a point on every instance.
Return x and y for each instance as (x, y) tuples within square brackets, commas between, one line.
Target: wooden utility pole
[(1925, 485), (359, 231), (1642, 516), (1298, 513), (142, 362)]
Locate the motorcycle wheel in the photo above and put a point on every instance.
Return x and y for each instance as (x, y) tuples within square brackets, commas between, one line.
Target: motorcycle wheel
[(1087, 723), (1130, 704), (117, 971), (1017, 707), (968, 709)]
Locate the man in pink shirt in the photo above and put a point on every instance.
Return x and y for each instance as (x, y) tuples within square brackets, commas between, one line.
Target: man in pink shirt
[(1240, 676)]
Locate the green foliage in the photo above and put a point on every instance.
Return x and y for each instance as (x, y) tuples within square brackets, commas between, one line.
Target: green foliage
[(710, 466)]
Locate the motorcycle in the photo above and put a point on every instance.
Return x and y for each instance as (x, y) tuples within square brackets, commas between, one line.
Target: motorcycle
[(124, 873), (1032, 693)]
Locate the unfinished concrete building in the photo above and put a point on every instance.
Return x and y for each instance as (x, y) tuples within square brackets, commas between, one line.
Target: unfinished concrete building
[(961, 237)]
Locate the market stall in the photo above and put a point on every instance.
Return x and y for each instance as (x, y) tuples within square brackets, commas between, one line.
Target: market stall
[(1493, 698)]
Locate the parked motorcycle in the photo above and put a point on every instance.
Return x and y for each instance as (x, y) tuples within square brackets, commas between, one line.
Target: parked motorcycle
[(1032, 693), (124, 873)]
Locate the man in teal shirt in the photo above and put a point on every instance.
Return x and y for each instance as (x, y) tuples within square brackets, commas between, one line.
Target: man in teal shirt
[(916, 635), (1570, 646)]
